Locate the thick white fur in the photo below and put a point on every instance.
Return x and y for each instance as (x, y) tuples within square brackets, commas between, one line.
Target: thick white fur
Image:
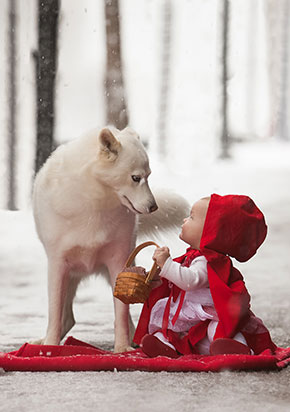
[(86, 206)]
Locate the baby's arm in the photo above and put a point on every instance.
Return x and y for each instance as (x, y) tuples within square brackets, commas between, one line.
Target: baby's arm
[(186, 278)]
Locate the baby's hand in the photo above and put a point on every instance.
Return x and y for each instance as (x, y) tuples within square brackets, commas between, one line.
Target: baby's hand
[(160, 256)]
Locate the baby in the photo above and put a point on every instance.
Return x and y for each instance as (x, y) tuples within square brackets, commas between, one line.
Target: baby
[(203, 306)]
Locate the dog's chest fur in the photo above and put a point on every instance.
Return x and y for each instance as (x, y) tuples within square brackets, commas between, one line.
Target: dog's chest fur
[(96, 238), (82, 260)]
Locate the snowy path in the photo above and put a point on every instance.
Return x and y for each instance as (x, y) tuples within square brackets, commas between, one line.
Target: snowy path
[(23, 312)]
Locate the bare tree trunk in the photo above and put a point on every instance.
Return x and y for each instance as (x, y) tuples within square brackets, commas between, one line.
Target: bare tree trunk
[(46, 60), (165, 77), (225, 138), (12, 107), (114, 85), (274, 16), (250, 106)]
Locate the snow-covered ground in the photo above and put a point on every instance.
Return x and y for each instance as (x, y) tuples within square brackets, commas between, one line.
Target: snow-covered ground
[(261, 170)]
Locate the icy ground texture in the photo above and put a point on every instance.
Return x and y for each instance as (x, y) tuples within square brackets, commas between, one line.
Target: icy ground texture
[(261, 171)]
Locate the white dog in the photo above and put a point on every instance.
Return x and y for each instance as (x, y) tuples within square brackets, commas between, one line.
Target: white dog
[(86, 200)]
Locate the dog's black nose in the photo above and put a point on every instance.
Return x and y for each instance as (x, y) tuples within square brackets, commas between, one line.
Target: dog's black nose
[(153, 207)]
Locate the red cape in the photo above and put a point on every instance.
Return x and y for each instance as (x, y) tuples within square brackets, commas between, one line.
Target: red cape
[(235, 227)]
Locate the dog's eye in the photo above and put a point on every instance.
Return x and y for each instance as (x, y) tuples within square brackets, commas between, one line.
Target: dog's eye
[(136, 178)]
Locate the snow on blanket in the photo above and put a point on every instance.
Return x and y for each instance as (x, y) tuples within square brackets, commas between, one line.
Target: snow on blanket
[(75, 355)]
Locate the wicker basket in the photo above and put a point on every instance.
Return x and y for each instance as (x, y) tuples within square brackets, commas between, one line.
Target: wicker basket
[(133, 284)]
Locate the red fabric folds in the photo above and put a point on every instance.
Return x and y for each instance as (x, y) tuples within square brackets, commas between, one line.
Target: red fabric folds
[(75, 355)]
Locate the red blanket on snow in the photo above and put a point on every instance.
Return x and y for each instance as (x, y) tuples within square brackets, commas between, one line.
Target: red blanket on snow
[(75, 355)]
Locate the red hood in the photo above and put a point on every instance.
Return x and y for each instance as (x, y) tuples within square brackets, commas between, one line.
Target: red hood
[(234, 226)]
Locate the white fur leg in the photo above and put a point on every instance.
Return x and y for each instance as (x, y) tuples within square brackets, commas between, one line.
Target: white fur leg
[(68, 320), (37, 341), (57, 284), (122, 329)]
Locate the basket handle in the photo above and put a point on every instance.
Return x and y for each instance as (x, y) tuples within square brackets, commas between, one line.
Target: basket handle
[(134, 254)]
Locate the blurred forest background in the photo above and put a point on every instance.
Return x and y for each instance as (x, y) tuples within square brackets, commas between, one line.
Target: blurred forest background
[(193, 77)]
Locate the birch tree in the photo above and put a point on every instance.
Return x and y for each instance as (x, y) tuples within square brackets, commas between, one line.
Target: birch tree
[(116, 108)]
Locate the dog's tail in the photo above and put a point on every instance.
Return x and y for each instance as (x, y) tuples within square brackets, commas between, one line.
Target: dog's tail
[(172, 209)]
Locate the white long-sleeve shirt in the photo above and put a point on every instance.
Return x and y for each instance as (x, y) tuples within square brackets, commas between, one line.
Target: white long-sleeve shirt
[(186, 278)]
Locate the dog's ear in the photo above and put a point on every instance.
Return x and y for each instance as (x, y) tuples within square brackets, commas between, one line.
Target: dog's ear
[(110, 146), (129, 130)]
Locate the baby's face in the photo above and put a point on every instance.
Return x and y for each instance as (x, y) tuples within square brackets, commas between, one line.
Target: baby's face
[(191, 230)]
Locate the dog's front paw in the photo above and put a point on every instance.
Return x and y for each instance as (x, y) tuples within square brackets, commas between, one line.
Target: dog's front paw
[(37, 342), (122, 348)]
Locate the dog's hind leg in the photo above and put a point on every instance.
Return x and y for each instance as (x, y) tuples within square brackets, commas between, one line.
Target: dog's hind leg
[(68, 320), (58, 278)]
